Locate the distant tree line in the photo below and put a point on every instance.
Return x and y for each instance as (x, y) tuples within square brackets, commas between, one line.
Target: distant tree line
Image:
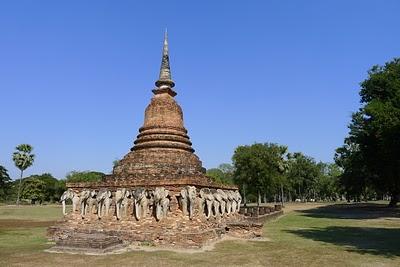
[(37, 188), (43, 188), (268, 172), (367, 166)]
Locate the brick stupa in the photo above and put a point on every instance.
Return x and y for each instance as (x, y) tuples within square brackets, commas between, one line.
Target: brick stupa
[(162, 153), (158, 193), (162, 150)]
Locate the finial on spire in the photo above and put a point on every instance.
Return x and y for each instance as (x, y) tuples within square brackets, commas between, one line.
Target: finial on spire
[(165, 80)]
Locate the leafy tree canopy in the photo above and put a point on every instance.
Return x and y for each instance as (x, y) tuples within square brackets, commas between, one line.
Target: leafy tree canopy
[(33, 189), (4, 177), (23, 157), (303, 174), (53, 187), (371, 153), (222, 174), (260, 167), (85, 176), (4, 182)]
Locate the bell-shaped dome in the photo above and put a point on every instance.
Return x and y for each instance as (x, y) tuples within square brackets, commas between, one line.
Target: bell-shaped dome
[(163, 125)]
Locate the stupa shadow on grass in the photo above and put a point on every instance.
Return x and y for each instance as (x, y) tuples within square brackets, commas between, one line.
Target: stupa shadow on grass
[(363, 240), (356, 211)]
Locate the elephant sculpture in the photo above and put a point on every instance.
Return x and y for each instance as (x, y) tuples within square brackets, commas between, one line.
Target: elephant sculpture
[(224, 200), (103, 200), (140, 202), (234, 201), (85, 197), (188, 199), (161, 202), (207, 201), (229, 203), (217, 202), (238, 199), (121, 196), (70, 194), (92, 207)]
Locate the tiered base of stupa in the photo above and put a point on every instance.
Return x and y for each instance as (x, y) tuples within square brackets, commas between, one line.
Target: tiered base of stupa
[(175, 231), (178, 220)]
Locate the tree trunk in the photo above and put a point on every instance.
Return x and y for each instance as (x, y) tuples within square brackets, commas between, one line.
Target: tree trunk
[(259, 198), (394, 200), (19, 188), (300, 193), (282, 194), (265, 198)]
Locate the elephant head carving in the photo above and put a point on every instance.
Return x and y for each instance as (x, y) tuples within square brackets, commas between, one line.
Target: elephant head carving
[(234, 201), (103, 199), (140, 202), (92, 201), (224, 200), (207, 200), (161, 202), (85, 197), (217, 202), (230, 201), (238, 199), (69, 194), (121, 196), (188, 200)]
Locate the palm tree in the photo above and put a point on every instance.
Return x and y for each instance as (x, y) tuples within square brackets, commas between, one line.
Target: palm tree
[(23, 158)]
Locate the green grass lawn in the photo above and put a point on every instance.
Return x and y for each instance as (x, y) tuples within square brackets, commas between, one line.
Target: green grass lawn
[(35, 213), (333, 235)]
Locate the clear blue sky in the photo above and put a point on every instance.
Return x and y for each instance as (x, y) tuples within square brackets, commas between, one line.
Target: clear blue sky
[(76, 76)]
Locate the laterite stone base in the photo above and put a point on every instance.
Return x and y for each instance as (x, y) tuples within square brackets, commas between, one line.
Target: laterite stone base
[(96, 243), (176, 231)]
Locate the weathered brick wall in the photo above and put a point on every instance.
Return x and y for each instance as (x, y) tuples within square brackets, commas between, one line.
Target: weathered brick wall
[(162, 149), (175, 231), (158, 164), (170, 184)]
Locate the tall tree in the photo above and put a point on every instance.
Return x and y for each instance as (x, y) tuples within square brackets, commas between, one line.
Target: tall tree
[(4, 182), (258, 168), (355, 176), (23, 159), (375, 130), (303, 174), (34, 189), (328, 183)]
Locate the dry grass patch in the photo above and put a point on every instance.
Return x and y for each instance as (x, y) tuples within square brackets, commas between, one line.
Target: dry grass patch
[(307, 235)]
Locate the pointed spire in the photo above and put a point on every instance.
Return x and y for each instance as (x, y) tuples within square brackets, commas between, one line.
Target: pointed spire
[(165, 81)]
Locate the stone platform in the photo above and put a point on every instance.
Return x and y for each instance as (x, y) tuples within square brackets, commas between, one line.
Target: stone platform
[(90, 243), (174, 231)]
